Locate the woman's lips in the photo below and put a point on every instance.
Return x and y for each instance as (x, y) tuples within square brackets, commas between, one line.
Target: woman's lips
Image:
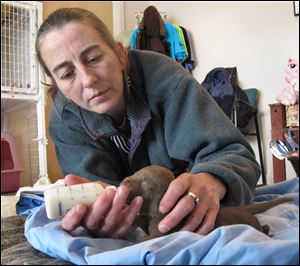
[(98, 96)]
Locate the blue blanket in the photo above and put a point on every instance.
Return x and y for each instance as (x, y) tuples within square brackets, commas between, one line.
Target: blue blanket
[(236, 244)]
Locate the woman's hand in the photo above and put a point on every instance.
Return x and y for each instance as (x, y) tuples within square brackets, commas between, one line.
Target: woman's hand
[(109, 216), (200, 218)]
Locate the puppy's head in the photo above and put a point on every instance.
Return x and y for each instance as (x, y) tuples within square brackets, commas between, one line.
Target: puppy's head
[(150, 182)]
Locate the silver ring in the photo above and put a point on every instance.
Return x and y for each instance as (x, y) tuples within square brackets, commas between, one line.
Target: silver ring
[(195, 198)]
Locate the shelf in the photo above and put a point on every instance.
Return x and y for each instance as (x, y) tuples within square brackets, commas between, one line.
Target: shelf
[(12, 104), (278, 128)]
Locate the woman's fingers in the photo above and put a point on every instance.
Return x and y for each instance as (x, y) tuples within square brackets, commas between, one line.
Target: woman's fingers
[(74, 217), (99, 210), (89, 217), (71, 179), (183, 209), (111, 218), (175, 191), (184, 206), (208, 223), (109, 215), (203, 217), (127, 222)]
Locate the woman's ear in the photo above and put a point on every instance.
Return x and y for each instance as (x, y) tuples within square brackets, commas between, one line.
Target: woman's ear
[(122, 55)]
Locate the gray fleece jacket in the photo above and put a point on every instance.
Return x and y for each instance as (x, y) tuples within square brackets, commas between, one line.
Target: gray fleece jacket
[(174, 123)]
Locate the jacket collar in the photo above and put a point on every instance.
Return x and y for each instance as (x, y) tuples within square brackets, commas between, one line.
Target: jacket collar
[(99, 125)]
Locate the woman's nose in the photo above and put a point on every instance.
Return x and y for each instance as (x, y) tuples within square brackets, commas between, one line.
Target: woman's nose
[(88, 77)]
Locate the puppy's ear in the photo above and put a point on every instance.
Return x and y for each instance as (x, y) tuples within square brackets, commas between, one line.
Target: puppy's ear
[(145, 185), (147, 189)]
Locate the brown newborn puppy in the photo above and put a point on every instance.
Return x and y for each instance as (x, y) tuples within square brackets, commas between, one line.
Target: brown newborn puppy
[(151, 183)]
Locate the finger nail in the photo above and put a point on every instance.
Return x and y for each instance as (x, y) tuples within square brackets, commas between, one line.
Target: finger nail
[(162, 209), (80, 209), (110, 192), (163, 228), (92, 224), (121, 191)]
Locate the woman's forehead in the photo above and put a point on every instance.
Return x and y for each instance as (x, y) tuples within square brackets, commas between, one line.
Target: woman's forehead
[(74, 32), (71, 38)]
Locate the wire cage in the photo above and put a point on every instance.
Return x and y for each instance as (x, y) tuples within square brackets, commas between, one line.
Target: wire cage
[(22, 96), (18, 67)]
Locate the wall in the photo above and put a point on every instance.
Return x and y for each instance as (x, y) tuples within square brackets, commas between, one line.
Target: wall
[(257, 37), (130, 7), (102, 9)]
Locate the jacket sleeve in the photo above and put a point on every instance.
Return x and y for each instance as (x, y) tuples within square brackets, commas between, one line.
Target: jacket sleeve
[(199, 132), (78, 154)]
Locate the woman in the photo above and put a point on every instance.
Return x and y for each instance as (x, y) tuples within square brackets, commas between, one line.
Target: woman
[(116, 111)]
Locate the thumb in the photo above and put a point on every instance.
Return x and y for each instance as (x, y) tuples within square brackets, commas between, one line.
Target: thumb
[(72, 179)]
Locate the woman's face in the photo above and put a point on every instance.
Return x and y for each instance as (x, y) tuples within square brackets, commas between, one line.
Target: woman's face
[(85, 69)]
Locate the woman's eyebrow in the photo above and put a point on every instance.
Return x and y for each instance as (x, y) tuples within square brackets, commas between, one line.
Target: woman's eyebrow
[(81, 55), (88, 49)]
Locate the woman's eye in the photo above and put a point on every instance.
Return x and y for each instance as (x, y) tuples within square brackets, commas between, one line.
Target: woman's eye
[(93, 59), (67, 75)]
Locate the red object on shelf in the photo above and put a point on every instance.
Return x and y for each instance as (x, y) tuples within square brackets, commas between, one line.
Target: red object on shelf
[(10, 166)]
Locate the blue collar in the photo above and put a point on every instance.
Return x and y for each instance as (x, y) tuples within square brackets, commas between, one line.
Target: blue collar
[(101, 125)]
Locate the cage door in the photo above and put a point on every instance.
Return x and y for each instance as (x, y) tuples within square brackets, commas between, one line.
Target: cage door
[(19, 71)]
